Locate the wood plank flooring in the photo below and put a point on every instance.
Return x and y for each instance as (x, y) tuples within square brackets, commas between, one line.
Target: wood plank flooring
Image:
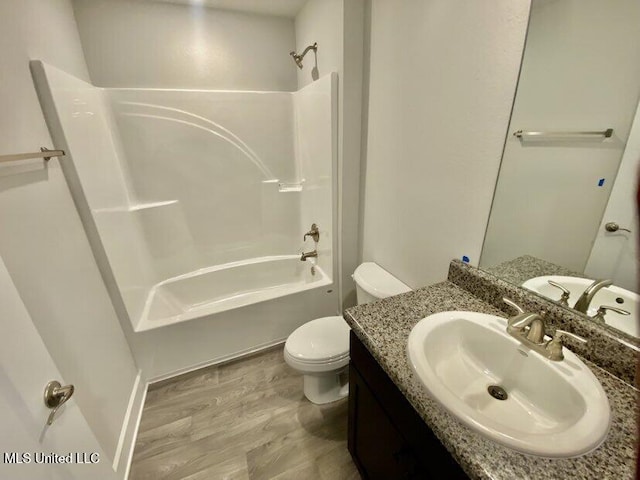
[(244, 420)]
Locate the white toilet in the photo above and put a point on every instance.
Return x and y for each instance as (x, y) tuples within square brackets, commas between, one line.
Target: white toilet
[(319, 349)]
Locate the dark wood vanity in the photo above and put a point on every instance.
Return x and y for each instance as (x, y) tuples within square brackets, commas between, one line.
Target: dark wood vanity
[(387, 438)]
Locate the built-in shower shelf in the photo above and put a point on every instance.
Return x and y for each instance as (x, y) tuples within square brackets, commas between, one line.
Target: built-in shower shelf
[(137, 206), (289, 187)]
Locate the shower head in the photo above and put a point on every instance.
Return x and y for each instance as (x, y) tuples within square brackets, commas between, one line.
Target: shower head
[(298, 58)]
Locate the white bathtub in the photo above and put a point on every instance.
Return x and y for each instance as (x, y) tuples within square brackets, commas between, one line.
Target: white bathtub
[(225, 287)]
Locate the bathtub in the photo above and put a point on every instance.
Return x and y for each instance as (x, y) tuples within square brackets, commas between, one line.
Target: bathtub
[(224, 287)]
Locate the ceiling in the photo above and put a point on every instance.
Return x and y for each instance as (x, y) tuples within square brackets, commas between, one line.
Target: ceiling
[(280, 8)]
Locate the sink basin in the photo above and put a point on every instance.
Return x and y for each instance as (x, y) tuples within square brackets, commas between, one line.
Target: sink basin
[(613, 296), (553, 409)]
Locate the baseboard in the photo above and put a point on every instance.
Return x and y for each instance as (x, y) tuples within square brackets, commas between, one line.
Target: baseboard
[(129, 432), (155, 381)]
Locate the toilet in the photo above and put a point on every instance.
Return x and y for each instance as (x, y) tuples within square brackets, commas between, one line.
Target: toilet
[(319, 349)]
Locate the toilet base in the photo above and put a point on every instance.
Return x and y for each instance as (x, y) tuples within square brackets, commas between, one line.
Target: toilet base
[(320, 389)]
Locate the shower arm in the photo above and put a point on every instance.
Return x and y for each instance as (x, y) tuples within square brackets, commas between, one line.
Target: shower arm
[(298, 58)]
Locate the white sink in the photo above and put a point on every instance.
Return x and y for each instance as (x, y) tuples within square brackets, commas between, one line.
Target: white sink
[(612, 296), (553, 409)]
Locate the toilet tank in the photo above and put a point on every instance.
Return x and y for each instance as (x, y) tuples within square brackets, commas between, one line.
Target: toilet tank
[(373, 283)]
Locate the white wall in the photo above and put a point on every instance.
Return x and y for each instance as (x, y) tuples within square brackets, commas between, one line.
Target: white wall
[(615, 255), (337, 26), (131, 44), (319, 21), (442, 81), (576, 76), (42, 240)]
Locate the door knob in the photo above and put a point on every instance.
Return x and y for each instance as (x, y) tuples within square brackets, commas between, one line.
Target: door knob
[(55, 395), (614, 227)]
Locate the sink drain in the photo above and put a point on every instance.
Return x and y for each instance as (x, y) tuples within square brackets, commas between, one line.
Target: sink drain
[(497, 392)]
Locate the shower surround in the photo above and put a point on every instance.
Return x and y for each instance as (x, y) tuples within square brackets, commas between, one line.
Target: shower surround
[(198, 199)]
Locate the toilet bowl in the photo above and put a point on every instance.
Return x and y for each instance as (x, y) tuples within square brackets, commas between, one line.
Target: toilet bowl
[(319, 349)]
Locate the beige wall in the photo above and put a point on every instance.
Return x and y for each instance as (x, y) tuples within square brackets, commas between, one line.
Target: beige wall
[(442, 82), (160, 45)]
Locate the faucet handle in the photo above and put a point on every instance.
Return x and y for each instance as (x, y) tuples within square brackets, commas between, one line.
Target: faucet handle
[(554, 348), (314, 233), (602, 311), (513, 304), (522, 320), (564, 298), (563, 333)]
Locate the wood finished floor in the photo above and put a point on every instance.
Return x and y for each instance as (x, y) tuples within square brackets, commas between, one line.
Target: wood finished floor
[(244, 420)]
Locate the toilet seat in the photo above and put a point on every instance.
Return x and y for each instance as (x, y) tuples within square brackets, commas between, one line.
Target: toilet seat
[(321, 341)]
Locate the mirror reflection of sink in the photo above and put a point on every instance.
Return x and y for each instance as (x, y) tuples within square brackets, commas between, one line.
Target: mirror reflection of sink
[(613, 296), (551, 409)]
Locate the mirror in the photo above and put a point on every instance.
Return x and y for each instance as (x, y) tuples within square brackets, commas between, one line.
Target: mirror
[(571, 155)]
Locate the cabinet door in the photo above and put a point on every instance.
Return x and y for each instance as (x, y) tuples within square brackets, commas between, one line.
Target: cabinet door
[(387, 438), (376, 446)]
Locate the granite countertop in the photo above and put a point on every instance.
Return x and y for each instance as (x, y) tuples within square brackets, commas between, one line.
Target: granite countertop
[(384, 328), (520, 269)]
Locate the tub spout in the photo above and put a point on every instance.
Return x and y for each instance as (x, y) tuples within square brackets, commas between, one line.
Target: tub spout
[(305, 255)]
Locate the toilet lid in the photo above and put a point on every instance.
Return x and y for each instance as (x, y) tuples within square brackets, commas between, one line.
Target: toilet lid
[(320, 340)]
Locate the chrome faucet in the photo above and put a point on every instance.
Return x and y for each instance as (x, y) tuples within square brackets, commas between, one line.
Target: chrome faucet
[(529, 329), (305, 255), (517, 325), (582, 305)]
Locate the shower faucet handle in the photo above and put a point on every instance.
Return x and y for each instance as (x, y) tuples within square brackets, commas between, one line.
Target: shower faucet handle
[(313, 233)]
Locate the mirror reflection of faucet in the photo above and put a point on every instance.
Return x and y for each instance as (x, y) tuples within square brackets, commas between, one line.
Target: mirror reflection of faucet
[(564, 298), (602, 311), (582, 305)]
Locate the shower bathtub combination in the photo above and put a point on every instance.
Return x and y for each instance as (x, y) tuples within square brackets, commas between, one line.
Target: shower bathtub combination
[(195, 202)]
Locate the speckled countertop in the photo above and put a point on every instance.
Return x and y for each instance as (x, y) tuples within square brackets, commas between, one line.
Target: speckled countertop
[(523, 268), (384, 328)]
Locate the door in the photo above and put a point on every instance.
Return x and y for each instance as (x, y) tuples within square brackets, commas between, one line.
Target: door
[(615, 254), (25, 368)]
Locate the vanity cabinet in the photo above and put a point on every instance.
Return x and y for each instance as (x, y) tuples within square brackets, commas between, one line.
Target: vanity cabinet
[(387, 438)]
